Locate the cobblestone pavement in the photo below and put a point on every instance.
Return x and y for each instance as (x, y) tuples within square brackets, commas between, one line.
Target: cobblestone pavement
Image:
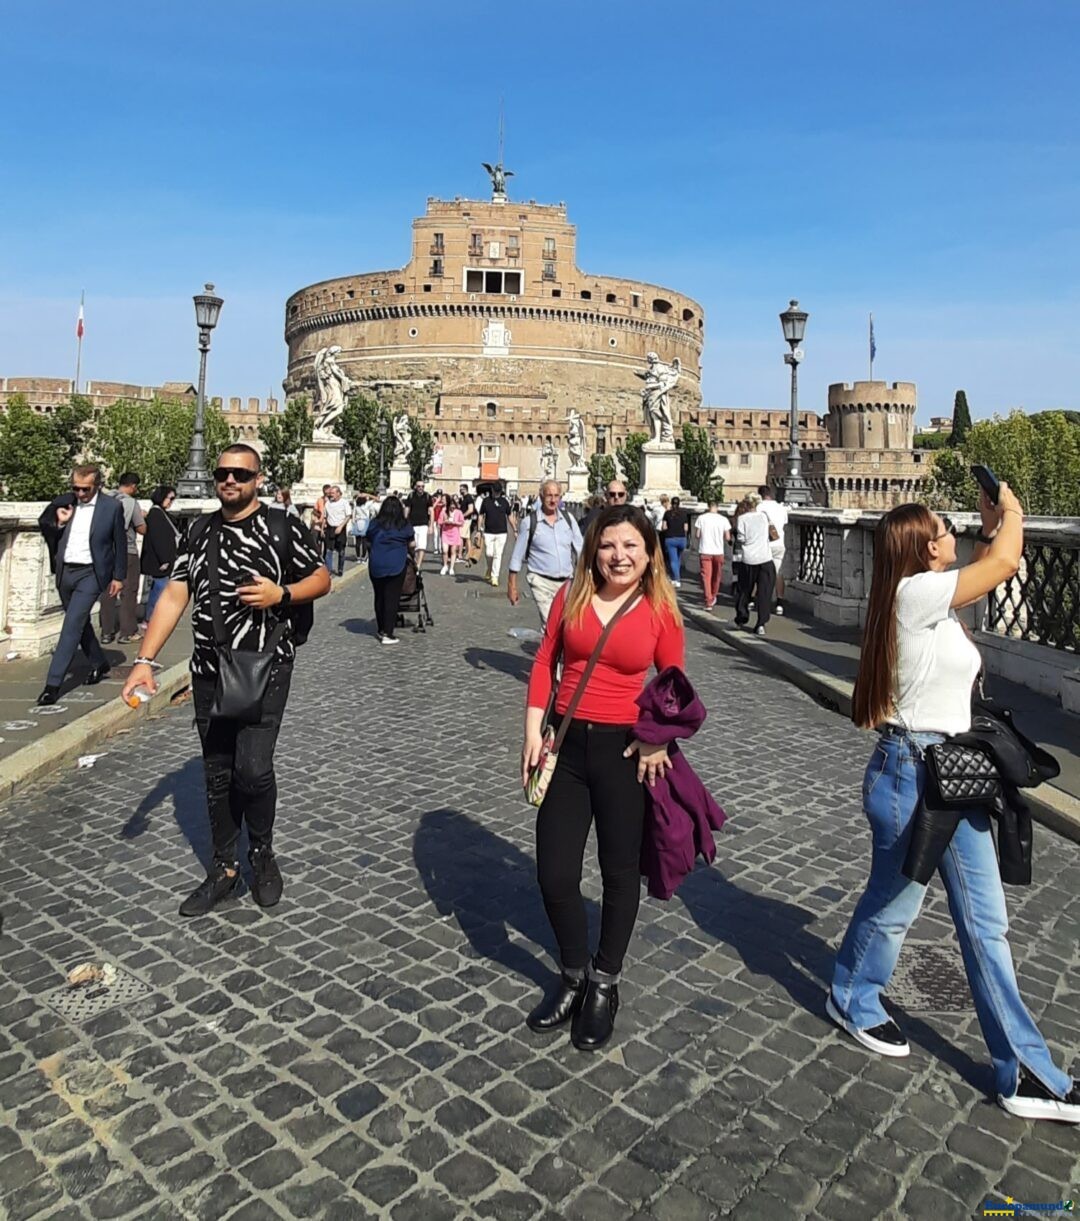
[(360, 1050)]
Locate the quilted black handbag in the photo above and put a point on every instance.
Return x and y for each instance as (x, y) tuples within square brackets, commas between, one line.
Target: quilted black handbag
[(962, 774)]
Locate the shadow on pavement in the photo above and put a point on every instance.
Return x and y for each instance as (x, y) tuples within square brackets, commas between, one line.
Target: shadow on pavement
[(185, 786), (489, 887), (359, 627), (773, 940), (494, 659)]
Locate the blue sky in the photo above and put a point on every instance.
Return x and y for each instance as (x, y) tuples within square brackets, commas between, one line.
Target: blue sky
[(916, 159)]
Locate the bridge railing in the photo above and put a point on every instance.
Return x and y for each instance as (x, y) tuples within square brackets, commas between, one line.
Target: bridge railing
[(1028, 629)]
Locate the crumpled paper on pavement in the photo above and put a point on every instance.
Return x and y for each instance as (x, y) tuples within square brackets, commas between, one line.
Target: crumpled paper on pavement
[(92, 973)]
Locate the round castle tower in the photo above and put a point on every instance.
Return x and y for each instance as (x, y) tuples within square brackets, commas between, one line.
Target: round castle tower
[(872, 415)]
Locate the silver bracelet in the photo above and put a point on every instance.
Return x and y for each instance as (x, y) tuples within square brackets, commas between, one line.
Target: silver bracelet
[(147, 661)]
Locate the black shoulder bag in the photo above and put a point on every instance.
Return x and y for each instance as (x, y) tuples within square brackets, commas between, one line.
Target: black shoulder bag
[(243, 674)]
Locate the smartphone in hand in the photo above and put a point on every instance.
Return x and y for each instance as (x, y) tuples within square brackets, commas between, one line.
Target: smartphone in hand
[(988, 481)]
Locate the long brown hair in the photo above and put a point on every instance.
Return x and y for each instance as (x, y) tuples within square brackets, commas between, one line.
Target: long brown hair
[(903, 535), (656, 587)]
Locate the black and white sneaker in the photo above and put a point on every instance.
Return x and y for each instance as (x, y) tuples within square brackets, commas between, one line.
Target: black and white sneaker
[(1033, 1100), (885, 1039)]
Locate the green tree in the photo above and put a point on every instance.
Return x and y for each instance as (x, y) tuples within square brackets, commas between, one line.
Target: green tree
[(698, 461), (601, 471), (630, 460), (358, 427), (283, 438), (34, 460), (949, 484), (152, 437), (932, 440), (423, 443), (961, 421)]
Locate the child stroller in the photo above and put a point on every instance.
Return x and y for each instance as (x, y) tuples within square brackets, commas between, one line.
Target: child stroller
[(413, 600)]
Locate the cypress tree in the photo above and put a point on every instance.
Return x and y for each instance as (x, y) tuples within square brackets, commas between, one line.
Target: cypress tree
[(961, 420)]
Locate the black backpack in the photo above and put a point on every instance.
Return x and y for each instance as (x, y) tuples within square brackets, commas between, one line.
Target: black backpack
[(534, 521), (301, 618)]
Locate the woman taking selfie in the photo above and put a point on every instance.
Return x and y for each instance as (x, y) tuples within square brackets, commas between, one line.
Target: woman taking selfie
[(914, 685), (619, 581)]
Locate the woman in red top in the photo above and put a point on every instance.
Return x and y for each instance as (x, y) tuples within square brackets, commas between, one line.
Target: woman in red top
[(597, 776)]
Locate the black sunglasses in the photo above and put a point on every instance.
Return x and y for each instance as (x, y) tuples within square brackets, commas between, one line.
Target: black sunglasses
[(950, 528), (616, 495), (240, 473)]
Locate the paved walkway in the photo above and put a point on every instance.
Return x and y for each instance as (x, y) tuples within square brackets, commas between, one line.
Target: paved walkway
[(360, 1050)]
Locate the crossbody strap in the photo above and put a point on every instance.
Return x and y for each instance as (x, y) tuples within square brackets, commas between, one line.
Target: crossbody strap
[(217, 614), (575, 699)]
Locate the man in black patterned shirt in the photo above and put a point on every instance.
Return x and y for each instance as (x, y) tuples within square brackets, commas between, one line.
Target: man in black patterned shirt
[(255, 587)]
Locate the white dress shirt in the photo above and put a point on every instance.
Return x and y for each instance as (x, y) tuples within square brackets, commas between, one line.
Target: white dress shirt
[(77, 550)]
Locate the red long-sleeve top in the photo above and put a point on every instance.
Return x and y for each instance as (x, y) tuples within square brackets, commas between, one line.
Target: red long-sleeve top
[(642, 638)]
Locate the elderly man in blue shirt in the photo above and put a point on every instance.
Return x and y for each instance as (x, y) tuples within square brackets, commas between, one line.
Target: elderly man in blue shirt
[(548, 543)]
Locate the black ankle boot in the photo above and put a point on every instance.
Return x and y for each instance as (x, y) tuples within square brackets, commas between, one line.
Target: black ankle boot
[(594, 1021), (558, 1008)]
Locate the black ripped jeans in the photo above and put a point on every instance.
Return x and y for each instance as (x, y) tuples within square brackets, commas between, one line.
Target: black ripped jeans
[(238, 761), (592, 781)]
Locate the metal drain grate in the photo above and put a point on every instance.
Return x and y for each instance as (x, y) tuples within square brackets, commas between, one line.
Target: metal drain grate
[(930, 979), (79, 1005)]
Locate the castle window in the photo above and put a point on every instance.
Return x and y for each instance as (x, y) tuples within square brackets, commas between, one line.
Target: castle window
[(438, 407), (549, 247), (399, 288), (660, 306), (479, 280), (687, 315), (476, 244), (492, 411), (556, 292), (436, 267), (549, 271), (427, 288), (350, 294), (610, 298), (512, 245), (413, 332), (636, 299), (586, 295), (436, 243), (613, 342)]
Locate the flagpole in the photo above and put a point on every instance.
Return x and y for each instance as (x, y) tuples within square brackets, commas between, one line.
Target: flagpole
[(78, 341)]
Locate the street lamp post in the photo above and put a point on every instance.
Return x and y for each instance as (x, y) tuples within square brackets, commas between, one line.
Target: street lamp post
[(796, 489), (601, 449), (383, 429), (195, 481)]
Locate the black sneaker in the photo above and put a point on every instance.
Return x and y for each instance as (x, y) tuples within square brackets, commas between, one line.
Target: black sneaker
[(885, 1039), (219, 885), (266, 883), (1033, 1100)]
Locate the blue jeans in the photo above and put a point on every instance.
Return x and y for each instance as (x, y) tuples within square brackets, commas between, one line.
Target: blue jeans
[(157, 584), (674, 548), (893, 783)]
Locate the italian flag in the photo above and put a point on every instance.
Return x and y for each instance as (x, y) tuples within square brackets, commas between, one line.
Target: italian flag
[(79, 324)]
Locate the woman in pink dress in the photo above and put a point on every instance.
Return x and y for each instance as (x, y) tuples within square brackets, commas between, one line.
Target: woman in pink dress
[(452, 521)]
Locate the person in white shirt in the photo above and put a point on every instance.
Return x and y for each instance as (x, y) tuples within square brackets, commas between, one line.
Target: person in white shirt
[(711, 531), (778, 519), (337, 513), (914, 686), (757, 576)]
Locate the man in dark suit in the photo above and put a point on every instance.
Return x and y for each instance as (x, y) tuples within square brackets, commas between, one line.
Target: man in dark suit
[(86, 529)]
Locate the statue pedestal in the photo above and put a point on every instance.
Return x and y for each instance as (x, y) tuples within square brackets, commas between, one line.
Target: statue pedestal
[(400, 479), (577, 482), (324, 462), (661, 467)]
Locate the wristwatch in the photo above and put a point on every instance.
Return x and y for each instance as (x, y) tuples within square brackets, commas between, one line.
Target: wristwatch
[(286, 597), (984, 539)]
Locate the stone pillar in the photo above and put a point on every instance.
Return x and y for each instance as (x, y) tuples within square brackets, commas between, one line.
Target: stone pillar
[(661, 471), (577, 483), (400, 478), (324, 462)]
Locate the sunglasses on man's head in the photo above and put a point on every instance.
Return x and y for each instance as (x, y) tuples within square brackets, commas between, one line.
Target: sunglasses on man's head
[(241, 474)]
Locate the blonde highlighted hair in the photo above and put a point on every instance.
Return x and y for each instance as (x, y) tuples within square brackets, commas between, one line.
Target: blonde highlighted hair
[(658, 590)]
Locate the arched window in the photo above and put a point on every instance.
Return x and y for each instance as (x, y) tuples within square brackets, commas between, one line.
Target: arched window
[(492, 410), (660, 306)]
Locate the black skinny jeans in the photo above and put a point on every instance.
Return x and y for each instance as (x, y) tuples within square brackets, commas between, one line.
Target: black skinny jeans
[(387, 592), (238, 761), (758, 580), (592, 780)]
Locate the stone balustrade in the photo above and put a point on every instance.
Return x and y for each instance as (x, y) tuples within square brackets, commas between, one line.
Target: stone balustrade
[(1028, 630)]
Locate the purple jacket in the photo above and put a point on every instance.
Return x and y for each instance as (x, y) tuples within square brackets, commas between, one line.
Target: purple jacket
[(680, 813)]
